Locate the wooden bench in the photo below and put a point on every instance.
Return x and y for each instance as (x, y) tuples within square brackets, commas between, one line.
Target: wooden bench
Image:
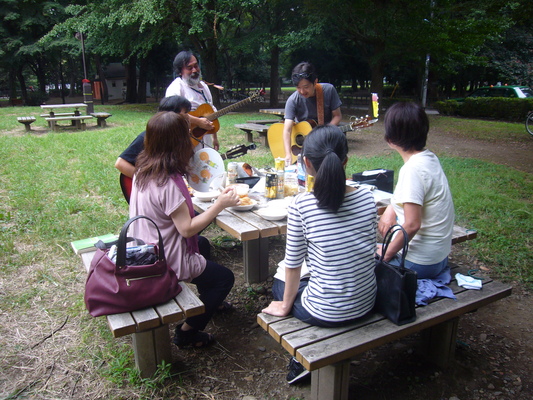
[(263, 121), (249, 128), (78, 120), (149, 327), (326, 352), (101, 118), (27, 121)]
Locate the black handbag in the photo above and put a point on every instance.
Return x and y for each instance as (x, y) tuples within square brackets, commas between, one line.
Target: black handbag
[(396, 285), (383, 179)]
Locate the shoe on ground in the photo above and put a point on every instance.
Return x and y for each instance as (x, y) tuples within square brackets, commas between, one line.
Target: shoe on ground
[(297, 372)]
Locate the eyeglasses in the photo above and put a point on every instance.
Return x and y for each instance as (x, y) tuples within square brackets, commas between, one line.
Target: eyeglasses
[(298, 77)]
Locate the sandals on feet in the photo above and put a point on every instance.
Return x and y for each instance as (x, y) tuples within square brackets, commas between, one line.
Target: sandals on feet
[(193, 338), (225, 307)]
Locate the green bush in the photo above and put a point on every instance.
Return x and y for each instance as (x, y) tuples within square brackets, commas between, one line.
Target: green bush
[(500, 108), (447, 107), (36, 98)]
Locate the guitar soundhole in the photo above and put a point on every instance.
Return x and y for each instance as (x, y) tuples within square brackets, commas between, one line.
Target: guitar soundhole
[(299, 139)]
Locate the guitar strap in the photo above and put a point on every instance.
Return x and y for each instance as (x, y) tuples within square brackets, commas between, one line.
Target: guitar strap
[(319, 103)]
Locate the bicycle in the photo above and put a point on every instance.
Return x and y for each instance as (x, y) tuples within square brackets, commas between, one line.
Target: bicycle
[(529, 122)]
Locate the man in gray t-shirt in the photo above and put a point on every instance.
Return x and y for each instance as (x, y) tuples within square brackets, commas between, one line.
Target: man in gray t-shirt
[(302, 104)]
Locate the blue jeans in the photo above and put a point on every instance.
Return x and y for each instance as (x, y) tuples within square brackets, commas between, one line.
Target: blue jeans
[(298, 310), (214, 284), (431, 271)]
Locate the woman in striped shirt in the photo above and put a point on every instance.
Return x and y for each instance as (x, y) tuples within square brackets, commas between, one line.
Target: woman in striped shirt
[(332, 230)]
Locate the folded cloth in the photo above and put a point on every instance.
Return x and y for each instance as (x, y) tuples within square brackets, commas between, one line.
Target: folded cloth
[(435, 287), (468, 282), (430, 288)]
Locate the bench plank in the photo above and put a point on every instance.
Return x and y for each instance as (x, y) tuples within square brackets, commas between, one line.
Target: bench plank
[(263, 121), (348, 345)]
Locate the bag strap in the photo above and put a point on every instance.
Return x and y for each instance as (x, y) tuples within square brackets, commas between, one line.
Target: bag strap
[(122, 239), (387, 239), (319, 104)]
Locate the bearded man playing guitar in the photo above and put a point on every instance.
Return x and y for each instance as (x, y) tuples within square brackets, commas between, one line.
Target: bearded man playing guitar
[(302, 104), (189, 84)]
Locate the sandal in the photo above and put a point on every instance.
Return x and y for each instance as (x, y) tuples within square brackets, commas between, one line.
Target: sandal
[(225, 307), (193, 338)]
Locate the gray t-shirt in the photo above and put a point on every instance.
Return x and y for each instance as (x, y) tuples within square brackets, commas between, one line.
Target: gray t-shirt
[(300, 109)]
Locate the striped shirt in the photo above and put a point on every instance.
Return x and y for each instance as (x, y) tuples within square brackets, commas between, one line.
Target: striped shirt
[(338, 249)]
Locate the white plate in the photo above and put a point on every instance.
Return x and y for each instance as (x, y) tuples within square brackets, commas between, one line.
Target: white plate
[(273, 213), (247, 207), (279, 203), (206, 196)]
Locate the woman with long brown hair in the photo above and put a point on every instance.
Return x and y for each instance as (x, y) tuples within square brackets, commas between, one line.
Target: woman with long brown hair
[(160, 193)]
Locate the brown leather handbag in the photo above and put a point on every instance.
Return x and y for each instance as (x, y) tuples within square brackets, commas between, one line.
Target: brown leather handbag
[(113, 288)]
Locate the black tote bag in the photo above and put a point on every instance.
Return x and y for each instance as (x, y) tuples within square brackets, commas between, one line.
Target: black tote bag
[(396, 285)]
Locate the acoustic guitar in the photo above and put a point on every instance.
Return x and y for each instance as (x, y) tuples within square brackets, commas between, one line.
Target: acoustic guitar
[(206, 111), (126, 182), (301, 130)]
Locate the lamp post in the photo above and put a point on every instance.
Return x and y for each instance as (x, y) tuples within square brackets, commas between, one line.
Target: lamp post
[(86, 86)]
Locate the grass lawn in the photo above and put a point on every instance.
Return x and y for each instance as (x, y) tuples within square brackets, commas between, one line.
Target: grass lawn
[(59, 187)]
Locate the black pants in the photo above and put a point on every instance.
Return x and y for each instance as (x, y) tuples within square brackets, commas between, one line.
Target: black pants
[(214, 284)]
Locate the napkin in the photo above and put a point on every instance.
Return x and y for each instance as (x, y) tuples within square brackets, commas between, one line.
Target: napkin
[(468, 282)]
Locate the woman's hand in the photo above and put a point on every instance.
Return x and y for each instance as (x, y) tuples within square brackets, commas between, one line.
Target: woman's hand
[(277, 309), (387, 220), (228, 198)]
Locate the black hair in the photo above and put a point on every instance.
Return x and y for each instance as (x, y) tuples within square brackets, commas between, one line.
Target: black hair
[(326, 147), (175, 104), (406, 126), (181, 60), (304, 70)]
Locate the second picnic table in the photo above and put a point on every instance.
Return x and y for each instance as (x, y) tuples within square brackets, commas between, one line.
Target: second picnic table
[(76, 118)]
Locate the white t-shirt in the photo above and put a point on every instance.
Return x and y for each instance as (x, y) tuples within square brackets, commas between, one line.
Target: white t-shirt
[(197, 95), (422, 181)]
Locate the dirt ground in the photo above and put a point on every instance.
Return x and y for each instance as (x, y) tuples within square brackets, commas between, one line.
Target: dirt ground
[(494, 350)]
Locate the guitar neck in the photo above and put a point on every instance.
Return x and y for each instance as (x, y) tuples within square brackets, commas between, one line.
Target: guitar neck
[(228, 109)]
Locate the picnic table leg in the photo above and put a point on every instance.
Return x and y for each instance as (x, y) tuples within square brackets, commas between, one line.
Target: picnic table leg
[(331, 382), (439, 342), (255, 254), (151, 348)]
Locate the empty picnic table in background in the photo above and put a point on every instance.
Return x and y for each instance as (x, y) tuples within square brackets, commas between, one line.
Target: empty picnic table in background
[(280, 112), (75, 116)]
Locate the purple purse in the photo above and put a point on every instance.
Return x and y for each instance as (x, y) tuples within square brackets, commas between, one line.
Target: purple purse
[(116, 288)]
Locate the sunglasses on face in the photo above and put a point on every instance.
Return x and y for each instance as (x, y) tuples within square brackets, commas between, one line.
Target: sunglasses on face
[(298, 77)]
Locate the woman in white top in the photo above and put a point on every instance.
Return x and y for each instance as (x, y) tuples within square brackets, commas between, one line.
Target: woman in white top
[(422, 202), (333, 230)]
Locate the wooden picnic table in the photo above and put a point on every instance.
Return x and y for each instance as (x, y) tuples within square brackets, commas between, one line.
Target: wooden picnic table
[(75, 117), (254, 231), (280, 112)]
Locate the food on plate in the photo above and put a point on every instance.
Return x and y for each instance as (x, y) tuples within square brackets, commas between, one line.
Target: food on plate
[(246, 201)]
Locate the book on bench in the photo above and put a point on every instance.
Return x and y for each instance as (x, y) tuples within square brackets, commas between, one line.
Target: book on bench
[(86, 245)]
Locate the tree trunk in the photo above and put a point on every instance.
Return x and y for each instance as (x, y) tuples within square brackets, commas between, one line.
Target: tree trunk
[(274, 77), (211, 70), (22, 83), (141, 90), (131, 80)]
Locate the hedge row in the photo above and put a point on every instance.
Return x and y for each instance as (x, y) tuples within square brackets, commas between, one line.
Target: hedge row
[(487, 107)]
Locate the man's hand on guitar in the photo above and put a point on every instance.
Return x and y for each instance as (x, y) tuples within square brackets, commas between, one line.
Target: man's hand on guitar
[(202, 123)]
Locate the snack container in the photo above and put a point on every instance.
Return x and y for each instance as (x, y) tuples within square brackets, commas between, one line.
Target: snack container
[(232, 172), (271, 185)]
